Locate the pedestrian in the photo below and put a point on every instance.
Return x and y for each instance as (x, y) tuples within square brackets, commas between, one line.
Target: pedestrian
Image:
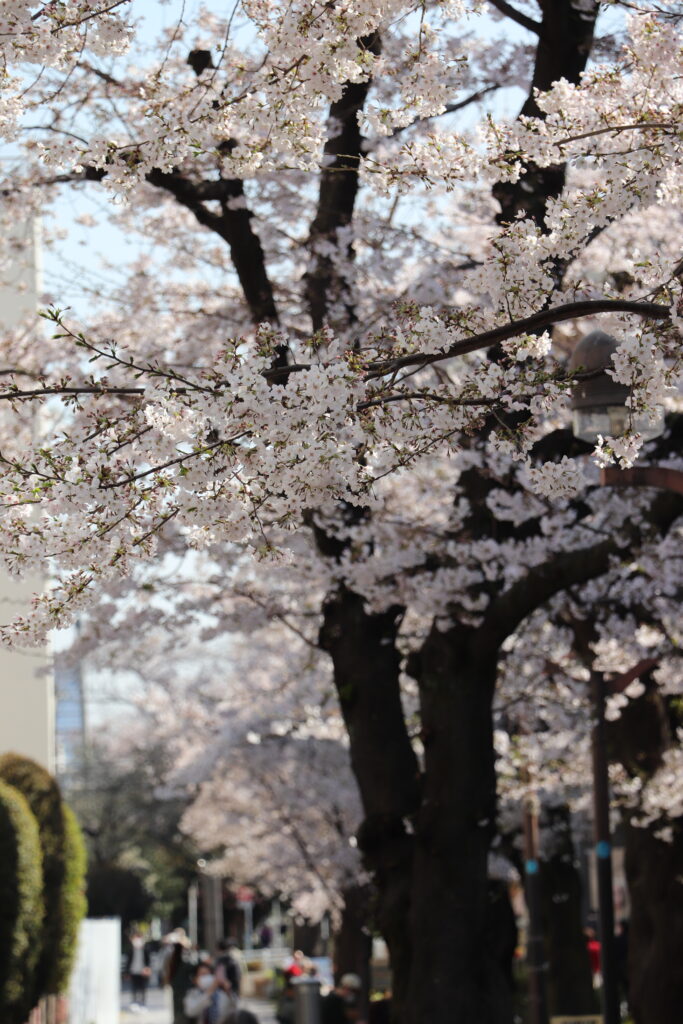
[(209, 1000), (138, 968), (295, 967), (228, 963), (178, 972), (284, 1009), (342, 1004), (266, 936), (595, 955)]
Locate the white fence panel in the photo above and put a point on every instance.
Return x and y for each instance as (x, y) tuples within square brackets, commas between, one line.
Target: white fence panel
[(95, 989)]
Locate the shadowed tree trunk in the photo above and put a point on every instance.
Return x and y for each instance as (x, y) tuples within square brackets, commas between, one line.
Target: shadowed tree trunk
[(455, 974), (565, 38), (366, 668), (353, 941), (654, 870), (570, 983)]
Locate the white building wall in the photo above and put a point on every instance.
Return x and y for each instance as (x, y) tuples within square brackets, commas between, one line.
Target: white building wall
[(26, 682)]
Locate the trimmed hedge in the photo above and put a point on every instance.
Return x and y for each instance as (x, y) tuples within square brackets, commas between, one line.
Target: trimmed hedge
[(64, 866), (74, 902), (45, 800), (21, 904)]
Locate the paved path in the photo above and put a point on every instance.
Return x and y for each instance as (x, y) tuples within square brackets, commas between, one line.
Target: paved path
[(158, 1009)]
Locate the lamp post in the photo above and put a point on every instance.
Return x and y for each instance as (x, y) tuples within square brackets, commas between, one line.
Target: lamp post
[(599, 408), (599, 401)]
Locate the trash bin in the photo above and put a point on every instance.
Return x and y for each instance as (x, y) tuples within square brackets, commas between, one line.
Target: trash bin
[(306, 1001)]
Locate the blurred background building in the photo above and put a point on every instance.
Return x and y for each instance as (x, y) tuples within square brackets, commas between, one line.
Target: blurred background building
[(27, 699)]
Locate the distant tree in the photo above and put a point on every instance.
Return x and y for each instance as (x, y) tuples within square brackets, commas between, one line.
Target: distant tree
[(140, 861), (117, 892)]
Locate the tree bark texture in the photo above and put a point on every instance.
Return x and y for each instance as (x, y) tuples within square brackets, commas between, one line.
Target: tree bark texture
[(456, 975), (366, 670), (353, 940), (570, 983), (654, 870), (326, 284), (565, 39)]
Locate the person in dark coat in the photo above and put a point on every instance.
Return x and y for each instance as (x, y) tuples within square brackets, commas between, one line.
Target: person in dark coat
[(178, 972), (228, 961), (340, 1006)]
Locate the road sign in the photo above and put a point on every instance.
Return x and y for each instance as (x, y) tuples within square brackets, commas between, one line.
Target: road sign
[(244, 894)]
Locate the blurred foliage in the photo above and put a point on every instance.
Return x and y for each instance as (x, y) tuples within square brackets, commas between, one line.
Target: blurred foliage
[(140, 862), (115, 891), (21, 904), (44, 798), (60, 849), (73, 902)]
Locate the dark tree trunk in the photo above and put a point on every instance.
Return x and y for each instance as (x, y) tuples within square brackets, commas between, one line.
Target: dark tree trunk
[(456, 975), (353, 941), (306, 937), (564, 45), (654, 870), (570, 983), (639, 739), (366, 672)]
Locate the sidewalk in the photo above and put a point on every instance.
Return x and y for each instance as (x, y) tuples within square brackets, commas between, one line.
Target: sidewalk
[(158, 1010)]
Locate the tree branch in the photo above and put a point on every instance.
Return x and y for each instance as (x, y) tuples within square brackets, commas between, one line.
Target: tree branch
[(527, 325), (376, 369), (451, 108), (233, 225), (571, 568), (325, 282), (522, 19)]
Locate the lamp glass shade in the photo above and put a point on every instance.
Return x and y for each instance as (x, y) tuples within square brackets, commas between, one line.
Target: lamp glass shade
[(614, 421)]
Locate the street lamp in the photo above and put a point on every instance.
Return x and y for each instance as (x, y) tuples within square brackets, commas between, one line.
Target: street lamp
[(599, 401)]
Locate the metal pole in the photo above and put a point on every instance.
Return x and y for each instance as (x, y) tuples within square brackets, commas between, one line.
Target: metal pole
[(603, 853), (192, 915), (212, 905), (307, 1009), (536, 960), (248, 926), (218, 908)]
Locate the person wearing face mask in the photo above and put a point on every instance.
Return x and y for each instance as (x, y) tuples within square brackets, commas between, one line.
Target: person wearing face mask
[(341, 1006), (210, 1000)]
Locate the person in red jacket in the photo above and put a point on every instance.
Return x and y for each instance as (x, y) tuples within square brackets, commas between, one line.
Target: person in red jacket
[(593, 947)]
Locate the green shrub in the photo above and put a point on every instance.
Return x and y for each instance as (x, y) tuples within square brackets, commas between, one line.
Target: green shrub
[(74, 903), (44, 798), (21, 904), (64, 864)]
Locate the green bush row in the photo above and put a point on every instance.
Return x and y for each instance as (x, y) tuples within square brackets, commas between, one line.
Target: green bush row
[(42, 886), (21, 904)]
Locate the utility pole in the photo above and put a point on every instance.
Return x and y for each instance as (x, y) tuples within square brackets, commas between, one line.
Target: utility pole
[(536, 959), (603, 853)]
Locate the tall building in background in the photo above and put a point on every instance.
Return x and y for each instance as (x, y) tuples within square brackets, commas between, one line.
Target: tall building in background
[(27, 703), (70, 722)]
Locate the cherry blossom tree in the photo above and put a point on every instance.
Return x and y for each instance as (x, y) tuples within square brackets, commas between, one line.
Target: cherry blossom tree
[(340, 359)]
